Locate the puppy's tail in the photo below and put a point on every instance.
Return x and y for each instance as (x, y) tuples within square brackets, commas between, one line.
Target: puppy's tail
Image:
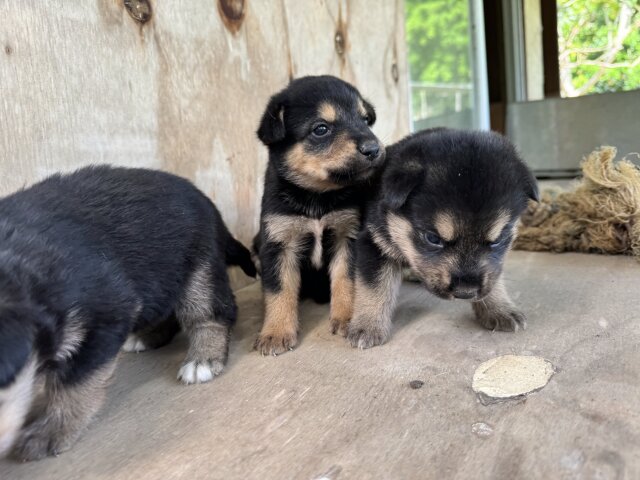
[(238, 254)]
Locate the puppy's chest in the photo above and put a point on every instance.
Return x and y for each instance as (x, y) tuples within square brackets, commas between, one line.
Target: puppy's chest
[(308, 236)]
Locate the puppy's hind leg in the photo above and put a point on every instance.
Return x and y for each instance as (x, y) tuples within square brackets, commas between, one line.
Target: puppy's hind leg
[(66, 411), (206, 313), (377, 283), (152, 337), (497, 312)]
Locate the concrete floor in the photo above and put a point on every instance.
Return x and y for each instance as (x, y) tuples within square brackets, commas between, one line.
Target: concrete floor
[(328, 411)]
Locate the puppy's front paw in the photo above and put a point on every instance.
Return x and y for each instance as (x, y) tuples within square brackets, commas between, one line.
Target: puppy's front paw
[(339, 326), (133, 344), (505, 318), (366, 335), (199, 371), (31, 445), (38, 440), (272, 344)]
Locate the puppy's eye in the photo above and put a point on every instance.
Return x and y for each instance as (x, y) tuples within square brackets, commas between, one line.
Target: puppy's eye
[(433, 239), (320, 130), (367, 119)]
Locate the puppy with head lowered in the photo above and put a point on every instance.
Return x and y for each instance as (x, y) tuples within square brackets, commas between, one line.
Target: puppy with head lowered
[(447, 208), (87, 260), (323, 158)]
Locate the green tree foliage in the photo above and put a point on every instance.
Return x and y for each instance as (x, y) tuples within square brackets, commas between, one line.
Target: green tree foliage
[(599, 43), (438, 39)]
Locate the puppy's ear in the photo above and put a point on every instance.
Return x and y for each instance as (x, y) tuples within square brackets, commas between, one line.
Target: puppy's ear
[(399, 182), (531, 186), (371, 112), (271, 129)]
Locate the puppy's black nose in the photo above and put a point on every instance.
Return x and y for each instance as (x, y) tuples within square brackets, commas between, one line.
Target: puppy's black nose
[(465, 293), (369, 148), (465, 286)]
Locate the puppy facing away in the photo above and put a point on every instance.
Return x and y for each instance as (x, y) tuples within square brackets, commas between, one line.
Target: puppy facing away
[(323, 158), (447, 208), (87, 259)]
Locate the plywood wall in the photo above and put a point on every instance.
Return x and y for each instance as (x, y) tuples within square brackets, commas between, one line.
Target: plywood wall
[(179, 85)]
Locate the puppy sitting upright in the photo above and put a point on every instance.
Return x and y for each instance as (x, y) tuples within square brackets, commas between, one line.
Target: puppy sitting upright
[(322, 158), (85, 260), (447, 208)]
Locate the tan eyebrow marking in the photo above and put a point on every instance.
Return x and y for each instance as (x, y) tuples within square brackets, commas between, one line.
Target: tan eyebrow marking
[(327, 112), (445, 226), (498, 225), (361, 110)]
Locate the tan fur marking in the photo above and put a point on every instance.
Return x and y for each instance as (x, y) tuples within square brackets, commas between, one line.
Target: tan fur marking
[(72, 336), (208, 339), (497, 312), (345, 223), (361, 109), (281, 308), (448, 263), (288, 229), (316, 253), (285, 229), (327, 112), (445, 225), (374, 307), (307, 171), (311, 170), (342, 289), (67, 412), (15, 402), (387, 248), (196, 301), (208, 343), (379, 300), (401, 231), (498, 225)]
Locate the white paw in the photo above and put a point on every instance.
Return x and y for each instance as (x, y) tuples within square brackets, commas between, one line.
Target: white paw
[(194, 372), (133, 344)]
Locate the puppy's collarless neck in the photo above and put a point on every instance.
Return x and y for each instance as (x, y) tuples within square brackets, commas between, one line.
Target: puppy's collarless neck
[(295, 199)]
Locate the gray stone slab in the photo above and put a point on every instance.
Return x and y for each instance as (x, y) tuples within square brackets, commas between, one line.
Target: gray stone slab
[(326, 410)]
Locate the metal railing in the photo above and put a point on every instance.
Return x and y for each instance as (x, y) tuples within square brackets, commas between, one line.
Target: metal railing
[(433, 99)]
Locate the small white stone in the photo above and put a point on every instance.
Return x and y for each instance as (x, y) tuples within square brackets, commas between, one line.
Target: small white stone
[(510, 376), (482, 429)]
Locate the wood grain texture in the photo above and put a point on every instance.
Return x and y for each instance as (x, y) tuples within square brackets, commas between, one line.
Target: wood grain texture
[(84, 83)]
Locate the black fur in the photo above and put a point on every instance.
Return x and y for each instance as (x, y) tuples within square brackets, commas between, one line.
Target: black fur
[(289, 121), (471, 175), (111, 248), (286, 122)]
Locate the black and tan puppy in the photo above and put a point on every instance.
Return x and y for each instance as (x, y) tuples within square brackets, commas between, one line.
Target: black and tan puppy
[(447, 208), (322, 159), (86, 259)]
